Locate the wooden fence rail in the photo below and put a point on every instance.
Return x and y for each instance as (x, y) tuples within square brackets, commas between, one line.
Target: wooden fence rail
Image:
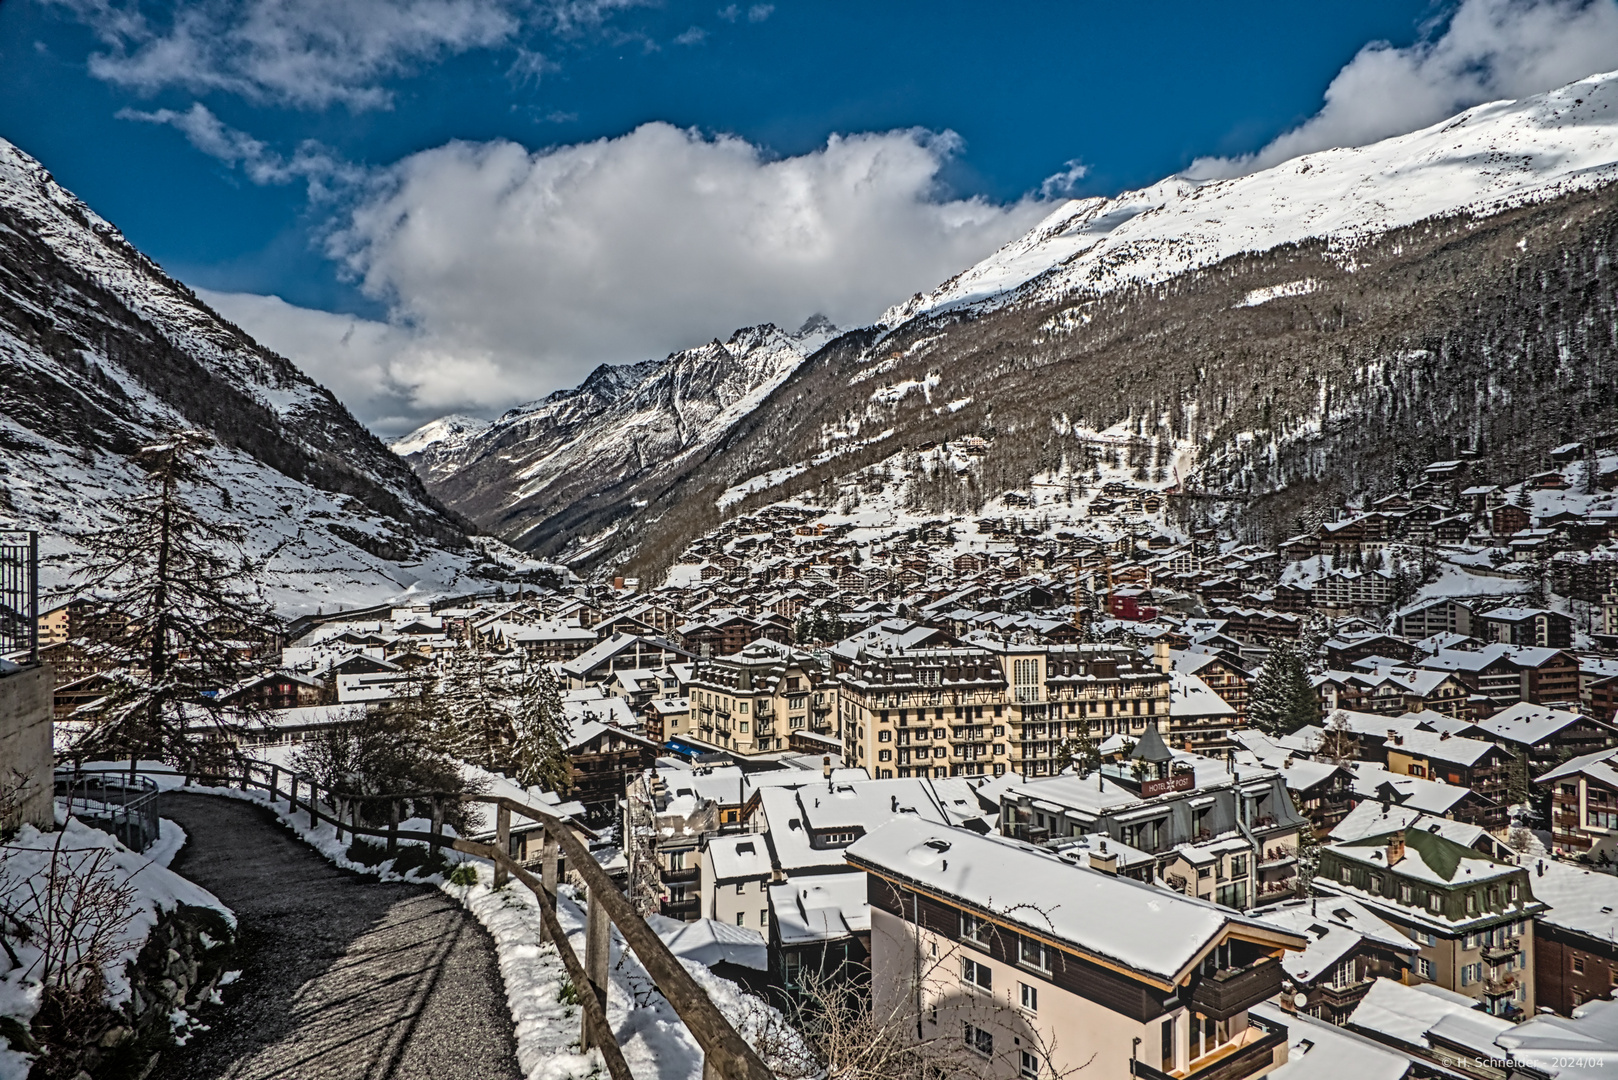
[(726, 1055)]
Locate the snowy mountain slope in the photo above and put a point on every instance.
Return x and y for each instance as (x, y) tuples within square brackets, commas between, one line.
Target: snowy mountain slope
[(1482, 161), (619, 427), (100, 351)]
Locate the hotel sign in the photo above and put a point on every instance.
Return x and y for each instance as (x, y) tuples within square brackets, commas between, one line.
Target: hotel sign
[(1181, 781)]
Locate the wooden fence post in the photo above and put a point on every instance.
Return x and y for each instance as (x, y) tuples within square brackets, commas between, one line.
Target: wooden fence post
[(393, 828), (292, 795), (438, 825), (597, 936), (550, 857), (275, 782), (337, 815), (502, 833)]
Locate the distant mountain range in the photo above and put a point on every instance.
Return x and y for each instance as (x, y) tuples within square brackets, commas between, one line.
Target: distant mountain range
[(1282, 341), (100, 351), (539, 467)]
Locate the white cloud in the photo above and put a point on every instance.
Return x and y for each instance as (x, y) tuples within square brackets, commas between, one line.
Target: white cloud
[(760, 12), (693, 36), (510, 273), (1488, 50), (322, 170), (304, 53), (1060, 185)]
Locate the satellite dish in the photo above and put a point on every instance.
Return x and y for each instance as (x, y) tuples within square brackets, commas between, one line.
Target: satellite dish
[(1300, 1000)]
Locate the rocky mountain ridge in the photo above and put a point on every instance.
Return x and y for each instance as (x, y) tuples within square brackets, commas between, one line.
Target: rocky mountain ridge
[(1283, 341), (621, 427), (101, 351)]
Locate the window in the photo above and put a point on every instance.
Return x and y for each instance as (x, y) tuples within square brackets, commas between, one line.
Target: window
[(1404, 893), (741, 918), (764, 917), (741, 888), (1028, 997), (1578, 965), (1424, 967), (1471, 903), (974, 928), (884, 736), (1342, 977), (1435, 902), (1030, 1067), (884, 755), (1034, 954), (1345, 874), (791, 968), (676, 860), (976, 975), (978, 1040)]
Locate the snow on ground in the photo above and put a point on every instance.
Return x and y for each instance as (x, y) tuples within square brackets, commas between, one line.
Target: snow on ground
[(24, 865), (654, 1041)]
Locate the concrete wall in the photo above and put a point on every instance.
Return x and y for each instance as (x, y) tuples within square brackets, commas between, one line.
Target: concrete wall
[(25, 742)]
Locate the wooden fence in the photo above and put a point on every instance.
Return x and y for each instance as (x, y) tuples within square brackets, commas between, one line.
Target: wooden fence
[(726, 1056)]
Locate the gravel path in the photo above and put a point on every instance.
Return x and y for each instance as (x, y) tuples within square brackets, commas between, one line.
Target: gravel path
[(343, 977)]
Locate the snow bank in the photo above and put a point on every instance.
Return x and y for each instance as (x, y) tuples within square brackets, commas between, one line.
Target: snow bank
[(25, 864)]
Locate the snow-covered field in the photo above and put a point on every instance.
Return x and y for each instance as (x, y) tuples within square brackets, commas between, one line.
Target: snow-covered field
[(1488, 158)]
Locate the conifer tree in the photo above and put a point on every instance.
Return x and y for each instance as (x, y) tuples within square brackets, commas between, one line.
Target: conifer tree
[(178, 616), (1081, 752), (1281, 700), (540, 734), (474, 723)]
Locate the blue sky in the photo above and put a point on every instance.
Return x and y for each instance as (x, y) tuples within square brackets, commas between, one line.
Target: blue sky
[(265, 148)]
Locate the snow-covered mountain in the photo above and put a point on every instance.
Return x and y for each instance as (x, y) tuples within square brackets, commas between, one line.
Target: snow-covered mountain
[(620, 426), (1488, 158), (100, 350)]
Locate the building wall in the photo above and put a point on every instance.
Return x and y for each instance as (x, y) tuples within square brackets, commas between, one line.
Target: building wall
[(1558, 984), (25, 742), (751, 903), (1070, 1029)]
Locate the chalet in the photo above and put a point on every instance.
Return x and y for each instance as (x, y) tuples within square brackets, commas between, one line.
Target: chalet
[(604, 757), (1350, 947), (1221, 675), (278, 690), (1584, 806), (1525, 626), (1072, 976), (619, 652)]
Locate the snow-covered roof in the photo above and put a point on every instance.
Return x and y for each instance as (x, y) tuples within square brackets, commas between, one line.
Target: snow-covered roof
[(1333, 926), (1584, 1045), (1190, 696), (1317, 1050), (1411, 792), (820, 907), (733, 857), (1406, 1013), (1581, 900), (1148, 930), (709, 942), (1527, 724)]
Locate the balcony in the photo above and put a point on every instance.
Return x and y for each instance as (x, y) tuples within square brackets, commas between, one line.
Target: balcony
[(1496, 954), (1250, 1053), (1226, 993), (683, 875)]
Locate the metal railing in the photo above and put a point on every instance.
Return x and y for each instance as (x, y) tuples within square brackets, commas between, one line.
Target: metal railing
[(726, 1056), (19, 596), (112, 804)]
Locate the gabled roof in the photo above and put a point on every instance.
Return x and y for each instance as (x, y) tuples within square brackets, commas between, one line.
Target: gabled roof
[(1146, 932)]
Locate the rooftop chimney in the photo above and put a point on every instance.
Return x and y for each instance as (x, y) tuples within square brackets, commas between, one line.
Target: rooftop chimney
[(1396, 848), (1106, 863), (825, 767)]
